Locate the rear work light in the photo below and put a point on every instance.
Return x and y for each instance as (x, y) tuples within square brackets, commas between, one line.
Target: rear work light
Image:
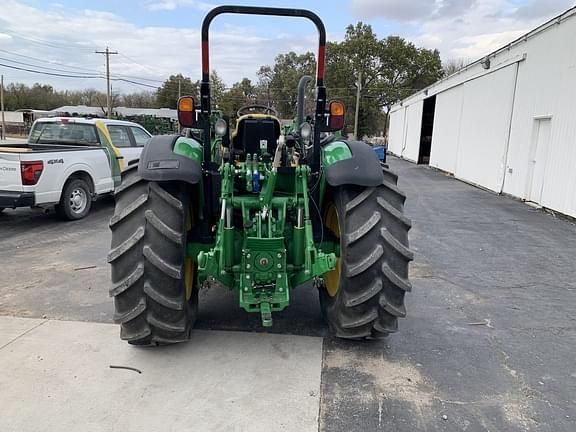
[(31, 172), (186, 114), (337, 113)]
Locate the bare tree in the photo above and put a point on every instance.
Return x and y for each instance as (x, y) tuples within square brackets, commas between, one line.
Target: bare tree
[(453, 65)]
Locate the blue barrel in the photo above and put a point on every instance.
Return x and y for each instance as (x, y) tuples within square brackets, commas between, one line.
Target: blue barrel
[(380, 152)]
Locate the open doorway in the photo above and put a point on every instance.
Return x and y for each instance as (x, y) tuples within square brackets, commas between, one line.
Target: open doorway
[(426, 131)]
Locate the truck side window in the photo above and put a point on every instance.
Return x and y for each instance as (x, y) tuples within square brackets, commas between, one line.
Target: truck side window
[(140, 136), (119, 135)]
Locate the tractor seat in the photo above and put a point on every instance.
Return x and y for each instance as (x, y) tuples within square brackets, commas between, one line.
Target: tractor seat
[(256, 133)]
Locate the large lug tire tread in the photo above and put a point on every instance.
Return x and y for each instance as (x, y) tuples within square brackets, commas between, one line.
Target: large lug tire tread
[(147, 259), (374, 261)]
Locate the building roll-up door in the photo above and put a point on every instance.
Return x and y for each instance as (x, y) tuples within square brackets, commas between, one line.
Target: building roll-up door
[(447, 117), (484, 128)]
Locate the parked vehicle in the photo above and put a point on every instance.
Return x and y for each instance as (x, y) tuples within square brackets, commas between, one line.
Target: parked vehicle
[(67, 163)]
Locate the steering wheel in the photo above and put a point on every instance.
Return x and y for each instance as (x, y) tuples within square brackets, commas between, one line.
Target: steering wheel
[(255, 108)]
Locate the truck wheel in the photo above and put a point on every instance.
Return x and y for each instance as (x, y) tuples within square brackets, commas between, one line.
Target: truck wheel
[(76, 200), (364, 296), (153, 284)]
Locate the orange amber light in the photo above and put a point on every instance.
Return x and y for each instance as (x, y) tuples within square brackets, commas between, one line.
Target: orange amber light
[(336, 108), (186, 103)]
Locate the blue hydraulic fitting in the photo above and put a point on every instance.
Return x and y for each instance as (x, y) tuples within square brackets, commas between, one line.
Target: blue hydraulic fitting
[(255, 179)]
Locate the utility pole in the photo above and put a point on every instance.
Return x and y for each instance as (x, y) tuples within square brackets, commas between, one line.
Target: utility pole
[(108, 53), (358, 90), (3, 135)]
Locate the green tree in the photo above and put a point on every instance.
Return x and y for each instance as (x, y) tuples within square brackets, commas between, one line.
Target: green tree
[(241, 93), (217, 89), (281, 80), (263, 89), (247, 88), (167, 94)]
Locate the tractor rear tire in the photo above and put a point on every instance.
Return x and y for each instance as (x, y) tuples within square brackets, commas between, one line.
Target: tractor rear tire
[(364, 297), (149, 268)]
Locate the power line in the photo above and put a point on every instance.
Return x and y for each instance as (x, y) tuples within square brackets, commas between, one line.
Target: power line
[(129, 77), (92, 72), (134, 82), (49, 73), (140, 64), (174, 90), (77, 76), (170, 86), (41, 67), (44, 61), (44, 42)]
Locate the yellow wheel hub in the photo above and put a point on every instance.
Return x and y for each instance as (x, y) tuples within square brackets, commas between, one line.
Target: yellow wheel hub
[(188, 263), (332, 279), (188, 277)]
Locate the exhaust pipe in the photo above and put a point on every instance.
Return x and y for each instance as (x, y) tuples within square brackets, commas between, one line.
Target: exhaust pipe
[(41, 210), (301, 95)]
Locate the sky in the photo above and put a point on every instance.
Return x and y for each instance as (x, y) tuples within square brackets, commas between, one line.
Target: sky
[(157, 38)]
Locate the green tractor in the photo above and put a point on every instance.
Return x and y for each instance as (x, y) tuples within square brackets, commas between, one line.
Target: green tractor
[(260, 209)]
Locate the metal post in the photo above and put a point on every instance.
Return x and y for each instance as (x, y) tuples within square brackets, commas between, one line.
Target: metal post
[(179, 95), (3, 136), (358, 90), (108, 88)]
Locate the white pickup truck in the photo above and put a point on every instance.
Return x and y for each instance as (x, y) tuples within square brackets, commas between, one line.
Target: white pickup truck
[(67, 163)]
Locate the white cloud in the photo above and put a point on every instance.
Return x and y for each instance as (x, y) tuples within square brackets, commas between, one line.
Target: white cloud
[(169, 5), (538, 8), (402, 10), (470, 29), (146, 52), (477, 46)]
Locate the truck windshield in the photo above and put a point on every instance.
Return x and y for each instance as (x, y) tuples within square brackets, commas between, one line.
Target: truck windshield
[(63, 133)]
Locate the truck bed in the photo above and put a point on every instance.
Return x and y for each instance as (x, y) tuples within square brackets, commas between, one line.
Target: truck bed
[(44, 148)]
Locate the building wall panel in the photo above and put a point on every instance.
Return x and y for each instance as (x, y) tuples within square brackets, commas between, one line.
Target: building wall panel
[(396, 131), (412, 131), (447, 116), (484, 127)]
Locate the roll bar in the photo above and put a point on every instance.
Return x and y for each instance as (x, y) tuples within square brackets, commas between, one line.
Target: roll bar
[(253, 10)]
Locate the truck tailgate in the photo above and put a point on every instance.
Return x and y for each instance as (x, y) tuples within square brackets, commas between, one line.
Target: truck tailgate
[(10, 177)]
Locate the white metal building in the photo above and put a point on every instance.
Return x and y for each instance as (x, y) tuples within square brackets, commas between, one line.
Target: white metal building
[(506, 122)]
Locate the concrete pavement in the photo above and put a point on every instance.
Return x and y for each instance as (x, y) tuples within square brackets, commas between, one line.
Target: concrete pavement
[(56, 376)]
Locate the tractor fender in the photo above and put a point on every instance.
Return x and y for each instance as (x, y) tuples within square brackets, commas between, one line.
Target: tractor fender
[(358, 166), (171, 158)]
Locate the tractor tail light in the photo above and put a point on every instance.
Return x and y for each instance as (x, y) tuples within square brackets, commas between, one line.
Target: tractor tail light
[(337, 113), (31, 172), (186, 113)]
